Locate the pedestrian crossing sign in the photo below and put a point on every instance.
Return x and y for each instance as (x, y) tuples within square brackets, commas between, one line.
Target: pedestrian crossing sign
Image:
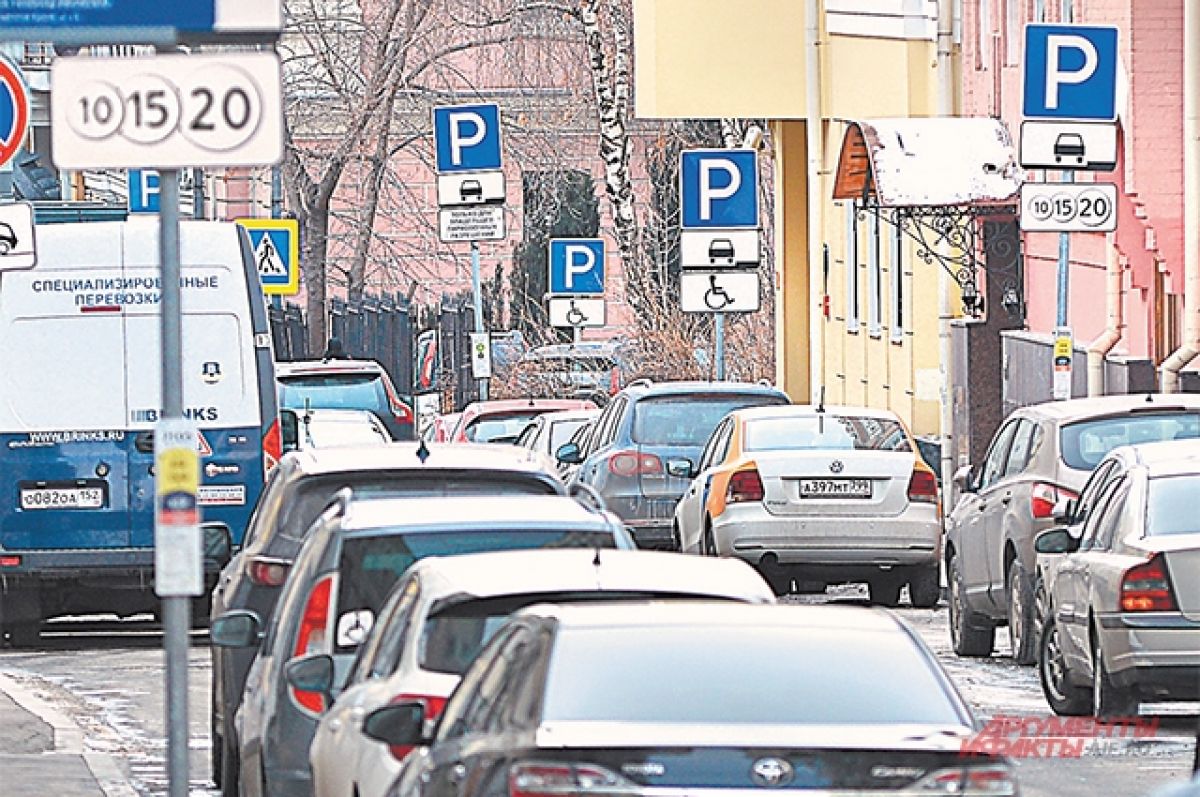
[(276, 247)]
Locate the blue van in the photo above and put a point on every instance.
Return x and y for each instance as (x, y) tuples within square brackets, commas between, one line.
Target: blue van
[(80, 350)]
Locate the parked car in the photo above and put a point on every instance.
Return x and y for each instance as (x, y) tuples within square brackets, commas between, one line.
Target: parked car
[(326, 428), (548, 432), (345, 385), (352, 556), (696, 698), (817, 494), (1040, 457), (442, 613), (501, 421), (641, 429), (1123, 602), (298, 490)]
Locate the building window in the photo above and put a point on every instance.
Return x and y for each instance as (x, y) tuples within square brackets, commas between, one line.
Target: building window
[(983, 39), (1068, 11), (851, 268), (874, 277), (1012, 32), (1039, 10), (898, 285)]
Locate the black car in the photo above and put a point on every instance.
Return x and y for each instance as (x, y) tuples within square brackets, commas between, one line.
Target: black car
[(643, 429), (298, 490), (678, 698)]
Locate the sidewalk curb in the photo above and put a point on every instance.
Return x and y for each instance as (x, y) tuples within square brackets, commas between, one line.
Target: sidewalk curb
[(69, 738)]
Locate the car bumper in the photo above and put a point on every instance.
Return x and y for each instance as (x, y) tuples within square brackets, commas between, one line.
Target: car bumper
[(752, 533), (649, 520), (1158, 653)]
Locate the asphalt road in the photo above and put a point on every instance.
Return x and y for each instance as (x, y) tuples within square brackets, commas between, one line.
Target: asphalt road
[(108, 678)]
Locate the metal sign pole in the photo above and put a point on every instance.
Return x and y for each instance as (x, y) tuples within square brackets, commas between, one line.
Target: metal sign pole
[(478, 300), (176, 610), (1064, 264), (719, 344)]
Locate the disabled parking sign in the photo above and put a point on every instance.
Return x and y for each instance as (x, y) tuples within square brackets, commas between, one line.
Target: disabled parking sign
[(276, 247)]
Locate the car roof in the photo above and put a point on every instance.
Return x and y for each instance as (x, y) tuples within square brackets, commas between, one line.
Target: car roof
[(483, 575), (404, 456), (317, 367), (1099, 406), (809, 410), (338, 415), (650, 389), (477, 408), (570, 415), (487, 512), (710, 615)]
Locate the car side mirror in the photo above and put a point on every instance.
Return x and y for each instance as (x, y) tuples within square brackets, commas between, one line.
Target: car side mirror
[(1055, 541), (397, 724), (681, 468), (289, 430), (311, 673), (569, 454), (240, 628), (1064, 510), (963, 479)]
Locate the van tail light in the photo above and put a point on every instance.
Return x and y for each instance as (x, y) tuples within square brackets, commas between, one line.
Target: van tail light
[(272, 445), (634, 463), (614, 381), (433, 710), (267, 572), (311, 637), (744, 486), (1147, 587), (402, 413), (922, 487), (1044, 497), (978, 780), (558, 779)]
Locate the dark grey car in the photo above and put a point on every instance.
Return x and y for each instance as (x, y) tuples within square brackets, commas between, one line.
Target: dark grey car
[(298, 490), (643, 430), (352, 556)]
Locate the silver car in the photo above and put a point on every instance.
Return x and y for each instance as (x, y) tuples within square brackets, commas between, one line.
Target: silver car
[(1123, 604), (1038, 461)]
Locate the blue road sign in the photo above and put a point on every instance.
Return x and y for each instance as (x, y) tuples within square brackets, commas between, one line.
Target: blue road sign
[(14, 110), (1070, 72), (144, 191), (577, 267), (467, 137), (187, 15), (276, 245), (719, 188)]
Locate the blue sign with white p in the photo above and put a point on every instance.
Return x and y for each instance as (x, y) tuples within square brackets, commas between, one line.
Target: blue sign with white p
[(719, 188), (577, 267), (1070, 72), (144, 191), (467, 137)]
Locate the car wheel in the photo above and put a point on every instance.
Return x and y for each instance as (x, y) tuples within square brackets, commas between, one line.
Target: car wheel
[(925, 587), (675, 537), (708, 547), (24, 634), (885, 590), (780, 581), (968, 636), (1065, 698), (230, 774), (1108, 699), (1020, 615), (217, 760)]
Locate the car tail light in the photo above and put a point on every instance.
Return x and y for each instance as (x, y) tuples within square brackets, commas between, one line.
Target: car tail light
[(1044, 497), (402, 413), (272, 445), (433, 709), (744, 486), (555, 779), (922, 487), (10, 561), (968, 781), (633, 463), (267, 572), (311, 637), (1147, 587), (614, 381)]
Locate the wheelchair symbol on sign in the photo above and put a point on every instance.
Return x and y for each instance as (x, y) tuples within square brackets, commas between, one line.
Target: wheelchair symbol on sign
[(575, 316), (716, 297)]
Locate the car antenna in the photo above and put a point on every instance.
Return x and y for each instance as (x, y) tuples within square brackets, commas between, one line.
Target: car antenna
[(596, 557), (1149, 398), (821, 411), (422, 451)]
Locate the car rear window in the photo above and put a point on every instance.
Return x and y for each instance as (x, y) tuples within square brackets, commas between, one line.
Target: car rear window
[(826, 432), (1169, 506), (1085, 443), (334, 392), (688, 420), (371, 565), (492, 427), (736, 675)]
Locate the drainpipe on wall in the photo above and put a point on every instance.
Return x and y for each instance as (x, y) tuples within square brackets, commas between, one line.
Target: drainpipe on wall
[(1113, 297), (1191, 203), (814, 144), (945, 107)]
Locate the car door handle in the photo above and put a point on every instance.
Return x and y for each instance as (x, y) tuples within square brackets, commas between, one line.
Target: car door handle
[(1006, 500)]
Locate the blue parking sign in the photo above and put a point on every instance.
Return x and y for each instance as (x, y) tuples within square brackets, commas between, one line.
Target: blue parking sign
[(719, 188), (1070, 72), (577, 267), (467, 137), (144, 191)]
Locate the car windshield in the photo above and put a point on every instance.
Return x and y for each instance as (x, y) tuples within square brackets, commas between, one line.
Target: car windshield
[(494, 427), (1085, 443), (333, 391), (1169, 505), (739, 675), (689, 420), (828, 432), (371, 565)]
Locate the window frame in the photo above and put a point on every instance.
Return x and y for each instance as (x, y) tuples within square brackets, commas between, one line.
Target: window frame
[(874, 277), (897, 330), (851, 255)]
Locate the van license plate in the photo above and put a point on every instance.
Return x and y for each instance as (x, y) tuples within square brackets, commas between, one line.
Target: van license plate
[(62, 498), (835, 488)]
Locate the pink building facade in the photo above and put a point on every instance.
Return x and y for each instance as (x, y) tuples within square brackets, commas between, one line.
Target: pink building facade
[(1148, 243)]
